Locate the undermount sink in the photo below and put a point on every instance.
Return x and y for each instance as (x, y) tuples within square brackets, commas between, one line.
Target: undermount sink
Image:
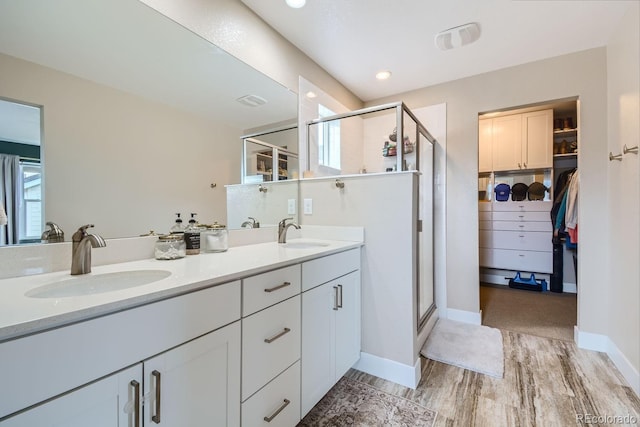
[(97, 283), (303, 244)]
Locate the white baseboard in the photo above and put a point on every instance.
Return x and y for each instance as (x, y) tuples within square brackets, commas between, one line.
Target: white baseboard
[(465, 316), (406, 375), (603, 343)]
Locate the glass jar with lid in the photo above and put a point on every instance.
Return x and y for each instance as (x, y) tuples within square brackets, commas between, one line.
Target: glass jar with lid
[(170, 246), (214, 238)]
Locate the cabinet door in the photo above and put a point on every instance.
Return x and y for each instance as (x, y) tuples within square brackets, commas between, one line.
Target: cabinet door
[(507, 143), (318, 344), (196, 384), (537, 128), (485, 145), (347, 323), (105, 403)]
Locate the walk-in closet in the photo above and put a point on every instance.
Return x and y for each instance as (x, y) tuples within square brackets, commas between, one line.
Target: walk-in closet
[(528, 223)]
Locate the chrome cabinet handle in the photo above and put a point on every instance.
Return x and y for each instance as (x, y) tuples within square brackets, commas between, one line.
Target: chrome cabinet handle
[(156, 417), (136, 402), (340, 299), (275, 414), (275, 337), (335, 298), (275, 288)]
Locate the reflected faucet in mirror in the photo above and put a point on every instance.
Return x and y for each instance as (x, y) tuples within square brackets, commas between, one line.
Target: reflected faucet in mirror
[(283, 226), (81, 249), (252, 223), (53, 235)]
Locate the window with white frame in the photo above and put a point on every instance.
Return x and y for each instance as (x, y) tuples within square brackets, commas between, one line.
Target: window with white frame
[(328, 140), (30, 210)]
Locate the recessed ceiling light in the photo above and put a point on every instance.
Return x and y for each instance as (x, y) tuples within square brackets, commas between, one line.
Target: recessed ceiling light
[(296, 4), (311, 94), (383, 75)]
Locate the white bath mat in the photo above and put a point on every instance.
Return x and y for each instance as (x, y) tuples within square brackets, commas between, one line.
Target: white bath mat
[(474, 347)]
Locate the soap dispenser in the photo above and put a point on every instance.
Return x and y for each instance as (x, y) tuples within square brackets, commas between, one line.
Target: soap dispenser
[(178, 227), (192, 236)]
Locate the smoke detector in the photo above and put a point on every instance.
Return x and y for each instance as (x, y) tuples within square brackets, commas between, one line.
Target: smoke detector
[(252, 100), (457, 36)]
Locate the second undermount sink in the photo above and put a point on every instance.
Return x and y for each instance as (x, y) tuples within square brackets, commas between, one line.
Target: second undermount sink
[(91, 284), (304, 244)]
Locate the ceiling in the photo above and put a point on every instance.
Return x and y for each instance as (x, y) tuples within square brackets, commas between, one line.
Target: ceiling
[(354, 39)]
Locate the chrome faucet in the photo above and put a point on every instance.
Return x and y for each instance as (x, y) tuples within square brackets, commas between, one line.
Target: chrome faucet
[(81, 249), (251, 224), (283, 227)]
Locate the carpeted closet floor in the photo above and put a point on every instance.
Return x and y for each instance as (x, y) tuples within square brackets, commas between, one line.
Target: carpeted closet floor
[(544, 314)]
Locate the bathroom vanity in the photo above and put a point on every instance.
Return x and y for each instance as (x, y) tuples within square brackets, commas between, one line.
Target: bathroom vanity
[(253, 335)]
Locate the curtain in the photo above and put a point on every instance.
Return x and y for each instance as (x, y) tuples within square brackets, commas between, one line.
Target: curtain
[(10, 197)]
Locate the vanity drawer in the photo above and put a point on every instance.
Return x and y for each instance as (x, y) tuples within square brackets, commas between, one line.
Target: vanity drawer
[(275, 395), (323, 270), (261, 360), (269, 288), (522, 216)]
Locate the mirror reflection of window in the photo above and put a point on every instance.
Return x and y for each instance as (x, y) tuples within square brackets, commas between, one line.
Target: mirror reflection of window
[(20, 173), (328, 140)]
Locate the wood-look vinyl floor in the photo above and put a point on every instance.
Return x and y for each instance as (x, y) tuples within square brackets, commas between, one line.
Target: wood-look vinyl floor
[(547, 382)]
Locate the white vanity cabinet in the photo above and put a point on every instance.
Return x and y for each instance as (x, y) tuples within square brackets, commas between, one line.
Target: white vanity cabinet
[(330, 323), (172, 337), (109, 402)]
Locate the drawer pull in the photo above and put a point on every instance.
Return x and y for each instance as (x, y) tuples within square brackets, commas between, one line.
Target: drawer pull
[(336, 305), (520, 255), (340, 298), (275, 414), (521, 226), (156, 417), (136, 402), (275, 337), (275, 288), (521, 235)]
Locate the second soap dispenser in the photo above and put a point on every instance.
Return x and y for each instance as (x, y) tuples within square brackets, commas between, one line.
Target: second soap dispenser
[(192, 236)]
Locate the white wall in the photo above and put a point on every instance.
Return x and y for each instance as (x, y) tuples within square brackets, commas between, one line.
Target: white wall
[(268, 208), (581, 74), (121, 162), (623, 80)]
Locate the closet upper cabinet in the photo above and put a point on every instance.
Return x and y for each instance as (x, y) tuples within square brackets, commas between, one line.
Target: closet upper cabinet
[(521, 141), (485, 145)]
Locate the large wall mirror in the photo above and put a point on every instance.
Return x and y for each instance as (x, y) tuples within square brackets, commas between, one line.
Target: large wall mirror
[(141, 118)]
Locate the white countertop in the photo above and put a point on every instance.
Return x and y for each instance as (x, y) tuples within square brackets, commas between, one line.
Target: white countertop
[(21, 315)]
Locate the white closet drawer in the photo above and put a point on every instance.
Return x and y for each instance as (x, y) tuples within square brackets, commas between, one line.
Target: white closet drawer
[(486, 258), (533, 261), (485, 225), (522, 240), (283, 392), (262, 360), (485, 238), (520, 226), (522, 216), (484, 216), (325, 269), (523, 206), (484, 207), (269, 288)]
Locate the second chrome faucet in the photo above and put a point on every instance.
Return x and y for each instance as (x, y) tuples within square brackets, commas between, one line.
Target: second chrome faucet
[(283, 226)]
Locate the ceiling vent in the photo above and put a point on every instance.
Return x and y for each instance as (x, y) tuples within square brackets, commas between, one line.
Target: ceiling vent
[(252, 100), (457, 36)]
